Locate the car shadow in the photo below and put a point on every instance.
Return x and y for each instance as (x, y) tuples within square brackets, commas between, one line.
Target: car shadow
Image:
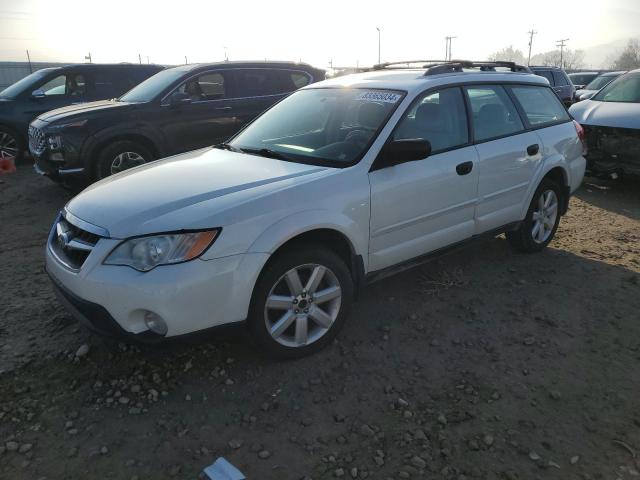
[(621, 197)]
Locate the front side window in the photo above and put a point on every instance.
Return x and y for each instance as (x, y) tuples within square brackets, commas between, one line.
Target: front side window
[(624, 89), (209, 86), (73, 85), (493, 112), (323, 126), (540, 105), (599, 82), (27, 84), (439, 117)]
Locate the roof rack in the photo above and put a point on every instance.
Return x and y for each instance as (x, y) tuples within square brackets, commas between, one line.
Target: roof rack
[(435, 67)]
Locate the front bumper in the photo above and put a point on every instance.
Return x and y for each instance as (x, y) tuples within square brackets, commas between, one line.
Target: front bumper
[(189, 297), (45, 167)]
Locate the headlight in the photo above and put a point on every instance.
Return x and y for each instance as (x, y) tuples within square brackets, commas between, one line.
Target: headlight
[(146, 253)]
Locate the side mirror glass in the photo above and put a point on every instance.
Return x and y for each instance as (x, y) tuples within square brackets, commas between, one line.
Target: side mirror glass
[(406, 150), (39, 93), (179, 98)]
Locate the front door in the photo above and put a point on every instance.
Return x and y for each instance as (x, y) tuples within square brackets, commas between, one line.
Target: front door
[(57, 90), (421, 206)]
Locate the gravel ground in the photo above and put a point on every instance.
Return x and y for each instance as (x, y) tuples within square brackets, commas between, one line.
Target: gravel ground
[(486, 364)]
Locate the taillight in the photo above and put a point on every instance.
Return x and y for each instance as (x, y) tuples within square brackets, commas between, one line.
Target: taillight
[(581, 136)]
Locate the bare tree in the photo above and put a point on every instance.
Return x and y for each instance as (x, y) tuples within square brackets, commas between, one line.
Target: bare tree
[(571, 59), (629, 58), (508, 54)]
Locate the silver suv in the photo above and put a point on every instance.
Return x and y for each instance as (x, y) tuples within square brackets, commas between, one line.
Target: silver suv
[(341, 183)]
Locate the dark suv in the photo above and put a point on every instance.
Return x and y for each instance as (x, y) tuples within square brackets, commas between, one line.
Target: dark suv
[(51, 88), (179, 109), (559, 81)]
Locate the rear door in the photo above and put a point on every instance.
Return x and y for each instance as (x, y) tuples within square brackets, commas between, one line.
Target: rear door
[(508, 156), (255, 90), (562, 86)]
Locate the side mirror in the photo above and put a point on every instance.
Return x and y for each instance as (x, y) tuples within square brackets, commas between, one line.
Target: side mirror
[(179, 98), (39, 93), (406, 150)]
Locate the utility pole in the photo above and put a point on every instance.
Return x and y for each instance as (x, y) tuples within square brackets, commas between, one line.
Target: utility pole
[(88, 57), (378, 29), (29, 58), (447, 53), (148, 60), (140, 59), (185, 60), (561, 44), (531, 33), (226, 57)]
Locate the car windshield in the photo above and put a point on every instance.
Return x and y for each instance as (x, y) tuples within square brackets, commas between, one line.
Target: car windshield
[(153, 86), (20, 86), (625, 88), (581, 78), (321, 126), (599, 82)]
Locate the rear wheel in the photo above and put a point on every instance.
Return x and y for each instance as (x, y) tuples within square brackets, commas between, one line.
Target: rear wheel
[(300, 302), (120, 156), (11, 144), (540, 224)]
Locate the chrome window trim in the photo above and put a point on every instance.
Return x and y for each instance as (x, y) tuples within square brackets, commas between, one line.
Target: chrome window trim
[(163, 103), (84, 225)]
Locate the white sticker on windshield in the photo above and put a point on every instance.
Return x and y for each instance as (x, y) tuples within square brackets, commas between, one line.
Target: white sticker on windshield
[(387, 97)]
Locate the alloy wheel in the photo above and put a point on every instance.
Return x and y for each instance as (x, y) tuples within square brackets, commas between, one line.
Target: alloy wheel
[(8, 145), (303, 305), (125, 161), (544, 216)]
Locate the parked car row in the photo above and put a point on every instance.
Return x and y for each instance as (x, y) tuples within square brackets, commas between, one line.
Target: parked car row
[(52, 88)]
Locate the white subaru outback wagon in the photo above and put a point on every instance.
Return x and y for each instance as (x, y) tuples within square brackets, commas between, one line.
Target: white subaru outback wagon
[(342, 182)]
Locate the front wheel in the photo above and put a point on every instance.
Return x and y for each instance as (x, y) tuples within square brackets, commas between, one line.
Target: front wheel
[(540, 225), (300, 302), (120, 156), (11, 145)]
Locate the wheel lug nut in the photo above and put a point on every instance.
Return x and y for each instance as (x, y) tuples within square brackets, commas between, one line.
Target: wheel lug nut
[(295, 301), (306, 310), (297, 311)]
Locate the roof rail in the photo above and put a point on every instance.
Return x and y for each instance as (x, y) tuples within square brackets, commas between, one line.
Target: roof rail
[(435, 67)]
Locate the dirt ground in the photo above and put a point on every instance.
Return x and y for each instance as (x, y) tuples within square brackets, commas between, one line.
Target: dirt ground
[(485, 364)]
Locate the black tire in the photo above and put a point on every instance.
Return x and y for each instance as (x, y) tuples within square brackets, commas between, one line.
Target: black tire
[(106, 157), (11, 144), (522, 239), (271, 276)]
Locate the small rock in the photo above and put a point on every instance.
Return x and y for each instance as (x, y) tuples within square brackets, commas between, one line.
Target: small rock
[(264, 454), (402, 402), (354, 472), (307, 421), (339, 472), (442, 420), (83, 351), (555, 394), (418, 462), (12, 446), (367, 431), (25, 447), (488, 440), (228, 381), (235, 444), (123, 400), (104, 450), (575, 459), (534, 456)]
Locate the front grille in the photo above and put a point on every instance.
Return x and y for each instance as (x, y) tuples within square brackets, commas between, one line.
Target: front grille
[(71, 244), (37, 140)]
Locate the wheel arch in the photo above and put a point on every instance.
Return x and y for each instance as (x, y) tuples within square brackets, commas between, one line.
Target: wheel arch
[(99, 141), (556, 172)]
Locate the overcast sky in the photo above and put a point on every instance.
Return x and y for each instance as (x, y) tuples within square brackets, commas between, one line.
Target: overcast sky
[(316, 32)]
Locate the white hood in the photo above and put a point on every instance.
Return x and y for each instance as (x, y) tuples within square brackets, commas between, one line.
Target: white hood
[(194, 190), (607, 114)]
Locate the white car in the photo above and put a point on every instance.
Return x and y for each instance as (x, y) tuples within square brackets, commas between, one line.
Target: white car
[(341, 183)]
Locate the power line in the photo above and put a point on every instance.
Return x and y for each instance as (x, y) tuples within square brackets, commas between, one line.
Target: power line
[(531, 33)]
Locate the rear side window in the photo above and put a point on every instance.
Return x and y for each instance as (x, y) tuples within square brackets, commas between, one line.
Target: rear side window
[(494, 114), (560, 79), (299, 79), (258, 82), (540, 104), (546, 74), (439, 117)]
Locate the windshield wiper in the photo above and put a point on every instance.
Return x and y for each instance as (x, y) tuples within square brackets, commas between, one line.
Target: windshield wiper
[(226, 146), (265, 152)]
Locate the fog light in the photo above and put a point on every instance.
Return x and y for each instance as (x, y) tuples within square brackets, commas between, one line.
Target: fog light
[(155, 323)]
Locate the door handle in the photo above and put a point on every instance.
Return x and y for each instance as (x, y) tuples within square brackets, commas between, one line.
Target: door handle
[(464, 168), (223, 108), (533, 149)]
